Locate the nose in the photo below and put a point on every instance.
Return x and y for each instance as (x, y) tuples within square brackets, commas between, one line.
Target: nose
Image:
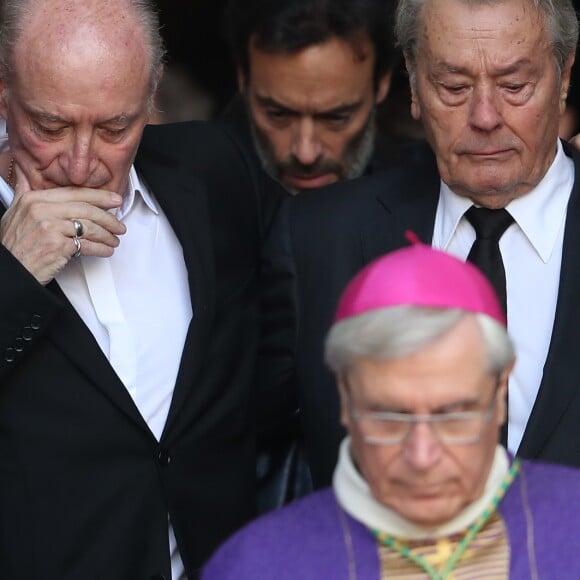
[(422, 448), (485, 113), (306, 147), (79, 161)]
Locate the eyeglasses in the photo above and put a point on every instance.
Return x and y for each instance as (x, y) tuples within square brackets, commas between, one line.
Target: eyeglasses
[(385, 428)]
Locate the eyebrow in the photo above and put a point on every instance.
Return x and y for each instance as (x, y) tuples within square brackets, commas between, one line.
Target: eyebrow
[(338, 110), (451, 407), (383, 407), (52, 118)]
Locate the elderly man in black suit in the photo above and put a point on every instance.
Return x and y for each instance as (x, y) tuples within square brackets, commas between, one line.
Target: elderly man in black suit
[(130, 309), (489, 83)]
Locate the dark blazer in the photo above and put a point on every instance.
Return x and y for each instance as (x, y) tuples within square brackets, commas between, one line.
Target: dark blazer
[(85, 488), (321, 239)]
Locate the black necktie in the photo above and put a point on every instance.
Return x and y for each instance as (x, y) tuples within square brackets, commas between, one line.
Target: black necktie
[(489, 226)]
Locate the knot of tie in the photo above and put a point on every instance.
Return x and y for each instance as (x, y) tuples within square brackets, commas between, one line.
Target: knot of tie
[(489, 224)]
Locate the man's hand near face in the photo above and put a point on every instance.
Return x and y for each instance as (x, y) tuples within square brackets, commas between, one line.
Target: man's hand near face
[(37, 227)]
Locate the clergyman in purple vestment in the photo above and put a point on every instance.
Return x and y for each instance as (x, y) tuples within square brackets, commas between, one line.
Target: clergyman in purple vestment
[(422, 488)]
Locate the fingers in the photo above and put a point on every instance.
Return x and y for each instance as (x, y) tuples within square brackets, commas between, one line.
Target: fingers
[(39, 230), (96, 197)]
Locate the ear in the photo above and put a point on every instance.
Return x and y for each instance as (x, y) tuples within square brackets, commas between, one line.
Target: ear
[(241, 80), (412, 72), (502, 391), (3, 98), (383, 87), (565, 83), (344, 402)]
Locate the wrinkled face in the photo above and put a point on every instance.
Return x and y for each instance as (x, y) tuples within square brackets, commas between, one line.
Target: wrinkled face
[(76, 107), (312, 112), (487, 90), (423, 480)]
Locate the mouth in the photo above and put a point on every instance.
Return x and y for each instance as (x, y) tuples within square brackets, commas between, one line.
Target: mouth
[(424, 491), (310, 181), (489, 153)]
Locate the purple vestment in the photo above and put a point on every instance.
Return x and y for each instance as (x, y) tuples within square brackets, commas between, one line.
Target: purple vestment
[(306, 540)]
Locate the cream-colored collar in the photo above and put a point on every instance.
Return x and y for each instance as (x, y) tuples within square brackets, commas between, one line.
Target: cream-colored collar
[(354, 496)]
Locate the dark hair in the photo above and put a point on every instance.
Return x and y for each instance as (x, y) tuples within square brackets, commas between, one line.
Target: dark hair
[(289, 26)]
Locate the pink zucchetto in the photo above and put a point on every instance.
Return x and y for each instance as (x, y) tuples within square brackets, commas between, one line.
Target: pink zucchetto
[(419, 276)]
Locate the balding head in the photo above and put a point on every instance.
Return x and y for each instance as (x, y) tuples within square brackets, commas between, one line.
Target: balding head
[(116, 29)]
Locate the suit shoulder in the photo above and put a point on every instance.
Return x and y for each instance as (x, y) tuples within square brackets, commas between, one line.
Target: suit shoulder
[(344, 206), (229, 172), (188, 138)]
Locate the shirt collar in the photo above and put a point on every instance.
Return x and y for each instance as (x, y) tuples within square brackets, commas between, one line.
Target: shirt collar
[(136, 188), (539, 214)]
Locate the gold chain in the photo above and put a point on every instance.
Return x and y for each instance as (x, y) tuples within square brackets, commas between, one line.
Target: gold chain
[(10, 178)]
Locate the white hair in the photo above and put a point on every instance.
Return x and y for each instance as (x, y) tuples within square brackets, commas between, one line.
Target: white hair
[(395, 332)]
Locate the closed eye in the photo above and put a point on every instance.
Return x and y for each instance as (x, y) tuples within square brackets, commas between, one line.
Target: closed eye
[(49, 131)]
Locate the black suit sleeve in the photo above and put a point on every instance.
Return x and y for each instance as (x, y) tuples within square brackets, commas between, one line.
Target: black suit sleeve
[(26, 310), (275, 392)]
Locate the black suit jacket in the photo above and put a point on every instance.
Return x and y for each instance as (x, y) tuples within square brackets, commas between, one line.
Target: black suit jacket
[(321, 239), (85, 488)]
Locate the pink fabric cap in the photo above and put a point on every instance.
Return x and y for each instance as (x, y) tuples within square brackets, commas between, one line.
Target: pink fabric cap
[(419, 276)]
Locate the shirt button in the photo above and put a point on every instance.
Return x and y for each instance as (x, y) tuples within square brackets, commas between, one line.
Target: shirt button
[(35, 322), (164, 458), (9, 355), (19, 344), (27, 333)]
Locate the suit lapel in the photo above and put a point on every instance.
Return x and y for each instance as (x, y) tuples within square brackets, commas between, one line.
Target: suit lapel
[(406, 200), (76, 341), (560, 378), (184, 202)]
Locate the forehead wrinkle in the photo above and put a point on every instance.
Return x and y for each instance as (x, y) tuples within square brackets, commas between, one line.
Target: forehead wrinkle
[(482, 24)]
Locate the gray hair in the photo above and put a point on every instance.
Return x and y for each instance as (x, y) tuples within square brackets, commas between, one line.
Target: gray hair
[(559, 16), (15, 13), (395, 332)]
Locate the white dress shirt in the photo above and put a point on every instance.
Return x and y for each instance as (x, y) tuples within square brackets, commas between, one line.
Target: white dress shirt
[(137, 305), (531, 250)]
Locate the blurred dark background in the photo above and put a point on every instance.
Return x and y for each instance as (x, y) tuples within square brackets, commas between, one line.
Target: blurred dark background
[(192, 30)]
